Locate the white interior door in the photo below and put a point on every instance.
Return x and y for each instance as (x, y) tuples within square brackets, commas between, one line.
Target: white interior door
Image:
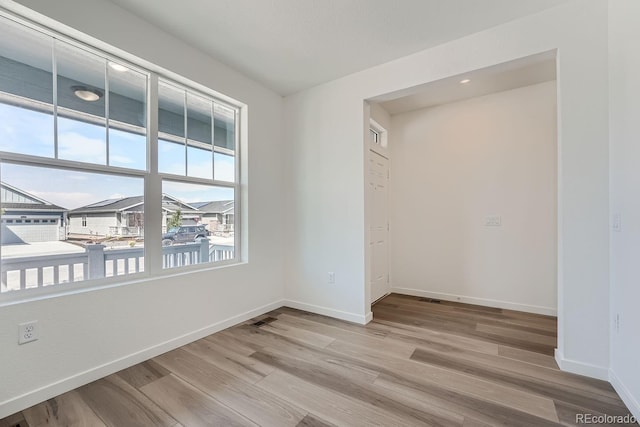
[(379, 225)]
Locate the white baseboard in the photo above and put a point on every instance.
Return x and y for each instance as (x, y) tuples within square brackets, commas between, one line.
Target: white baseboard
[(581, 368), (325, 311), (368, 317), (19, 403), (549, 311), (625, 395)]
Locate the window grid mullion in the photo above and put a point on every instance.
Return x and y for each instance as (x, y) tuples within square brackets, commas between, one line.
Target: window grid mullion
[(106, 108), (213, 140), (48, 162), (54, 76), (153, 184), (197, 180), (237, 203), (186, 136)]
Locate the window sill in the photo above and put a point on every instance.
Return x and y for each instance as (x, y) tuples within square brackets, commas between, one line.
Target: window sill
[(67, 289)]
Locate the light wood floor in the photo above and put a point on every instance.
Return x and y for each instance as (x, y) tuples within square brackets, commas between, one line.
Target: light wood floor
[(418, 363)]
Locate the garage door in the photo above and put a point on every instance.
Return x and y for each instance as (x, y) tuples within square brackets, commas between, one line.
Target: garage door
[(29, 231)]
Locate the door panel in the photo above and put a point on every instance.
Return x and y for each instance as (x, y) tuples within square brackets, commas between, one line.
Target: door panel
[(379, 225)]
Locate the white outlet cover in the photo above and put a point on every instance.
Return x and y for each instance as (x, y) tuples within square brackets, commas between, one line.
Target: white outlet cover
[(27, 332)]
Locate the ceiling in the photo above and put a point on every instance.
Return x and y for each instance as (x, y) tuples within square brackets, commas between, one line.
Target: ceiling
[(509, 75), (291, 45)]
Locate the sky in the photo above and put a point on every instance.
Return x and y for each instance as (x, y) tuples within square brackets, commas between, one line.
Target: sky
[(29, 132)]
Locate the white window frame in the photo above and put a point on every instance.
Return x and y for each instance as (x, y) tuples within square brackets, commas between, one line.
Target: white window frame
[(374, 136), (381, 146), (236, 185), (151, 176)]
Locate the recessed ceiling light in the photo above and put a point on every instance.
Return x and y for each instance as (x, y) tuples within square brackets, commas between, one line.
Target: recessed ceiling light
[(465, 81), (86, 93), (118, 67)]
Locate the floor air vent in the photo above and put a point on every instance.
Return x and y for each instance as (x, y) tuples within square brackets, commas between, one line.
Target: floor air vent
[(264, 321)]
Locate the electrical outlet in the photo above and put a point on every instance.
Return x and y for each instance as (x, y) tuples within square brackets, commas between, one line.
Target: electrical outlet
[(617, 322), (332, 277), (28, 332)]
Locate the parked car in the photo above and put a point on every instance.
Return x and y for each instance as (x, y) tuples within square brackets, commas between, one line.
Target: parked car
[(184, 234)]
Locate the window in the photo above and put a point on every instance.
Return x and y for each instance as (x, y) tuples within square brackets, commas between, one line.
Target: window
[(197, 145), (378, 137), (75, 145), (374, 136)]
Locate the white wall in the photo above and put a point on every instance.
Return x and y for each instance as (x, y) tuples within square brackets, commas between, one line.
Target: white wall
[(87, 335), (381, 116), (99, 224), (458, 163), (624, 67), (327, 155)]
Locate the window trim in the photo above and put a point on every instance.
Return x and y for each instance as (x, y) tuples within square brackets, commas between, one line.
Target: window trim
[(151, 177), (376, 136), (381, 147)]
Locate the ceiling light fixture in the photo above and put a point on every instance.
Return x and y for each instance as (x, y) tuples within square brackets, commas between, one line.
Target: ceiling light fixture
[(86, 93), (118, 67), (465, 81)]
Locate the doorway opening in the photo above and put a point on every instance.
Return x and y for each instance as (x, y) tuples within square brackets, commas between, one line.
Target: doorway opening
[(472, 197)]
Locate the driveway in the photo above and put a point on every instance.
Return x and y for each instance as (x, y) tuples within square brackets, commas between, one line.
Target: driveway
[(39, 248)]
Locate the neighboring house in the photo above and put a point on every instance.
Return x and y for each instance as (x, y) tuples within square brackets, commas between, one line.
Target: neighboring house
[(125, 216), (110, 217), (27, 218), (218, 215), (190, 214)]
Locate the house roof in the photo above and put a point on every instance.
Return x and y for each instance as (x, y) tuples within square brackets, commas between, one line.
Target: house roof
[(14, 199), (219, 206), (111, 205), (32, 207), (134, 203), (171, 204)]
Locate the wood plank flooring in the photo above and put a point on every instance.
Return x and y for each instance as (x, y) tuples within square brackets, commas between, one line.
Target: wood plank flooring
[(419, 363)]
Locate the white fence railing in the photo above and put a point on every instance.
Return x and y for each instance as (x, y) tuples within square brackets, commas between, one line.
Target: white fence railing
[(121, 261), (37, 271), (95, 263), (221, 253), (187, 254)]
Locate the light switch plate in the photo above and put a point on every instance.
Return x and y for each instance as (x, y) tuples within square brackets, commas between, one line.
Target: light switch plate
[(493, 221), (617, 222)]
